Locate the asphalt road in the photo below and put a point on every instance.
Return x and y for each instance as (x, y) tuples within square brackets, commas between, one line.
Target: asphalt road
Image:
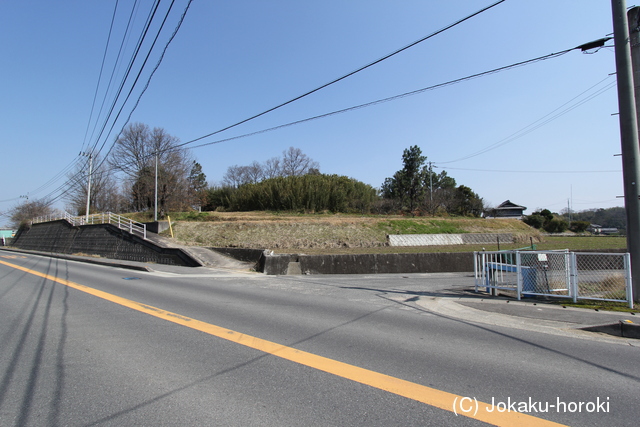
[(85, 345)]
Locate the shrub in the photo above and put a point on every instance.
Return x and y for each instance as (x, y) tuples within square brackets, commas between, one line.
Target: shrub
[(579, 226), (556, 225), (534, 220)]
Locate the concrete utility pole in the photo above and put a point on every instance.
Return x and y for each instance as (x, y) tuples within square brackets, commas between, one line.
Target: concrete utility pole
[(431, 188), (155, 209), (629, 137), (89, 186)]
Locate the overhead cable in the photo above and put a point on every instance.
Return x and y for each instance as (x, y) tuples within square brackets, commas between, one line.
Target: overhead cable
[(377, 61), (388, 99), (104, 58), (533, 171), (146, 86), (547, 118)]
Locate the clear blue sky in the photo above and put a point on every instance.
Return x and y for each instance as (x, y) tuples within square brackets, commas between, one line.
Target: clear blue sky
[(233, 59)]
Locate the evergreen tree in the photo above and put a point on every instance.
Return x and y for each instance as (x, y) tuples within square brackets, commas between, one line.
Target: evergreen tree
[(407, 184)]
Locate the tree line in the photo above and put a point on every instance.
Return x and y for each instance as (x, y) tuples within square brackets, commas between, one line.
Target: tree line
[(125, 181), (578, 222)]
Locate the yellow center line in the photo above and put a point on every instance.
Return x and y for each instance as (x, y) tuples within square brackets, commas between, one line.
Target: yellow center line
[(430, 396)]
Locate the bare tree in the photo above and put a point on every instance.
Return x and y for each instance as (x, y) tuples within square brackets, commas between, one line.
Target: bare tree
[(24, 212), (135, 154), (104, 196), (296, 163), (132, 151), (271, 168), (235, 176), (293, 163), (254, 172)]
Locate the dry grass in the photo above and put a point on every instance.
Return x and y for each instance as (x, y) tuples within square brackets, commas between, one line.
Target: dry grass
[(316, 233)]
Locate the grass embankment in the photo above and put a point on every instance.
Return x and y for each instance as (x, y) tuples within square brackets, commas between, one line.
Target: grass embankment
[(328, 233)]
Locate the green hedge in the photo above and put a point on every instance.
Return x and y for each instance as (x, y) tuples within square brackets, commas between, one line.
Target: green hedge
[(310, 193)]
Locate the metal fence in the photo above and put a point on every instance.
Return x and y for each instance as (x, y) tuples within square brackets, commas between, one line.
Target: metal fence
[(593, 276), (119, 221)]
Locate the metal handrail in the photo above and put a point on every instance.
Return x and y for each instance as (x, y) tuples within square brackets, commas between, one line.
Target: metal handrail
[(119, 221)]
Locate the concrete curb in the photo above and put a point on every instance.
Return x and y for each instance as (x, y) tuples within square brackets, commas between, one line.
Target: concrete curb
[(621, 329), (450, 307), (98, 261)]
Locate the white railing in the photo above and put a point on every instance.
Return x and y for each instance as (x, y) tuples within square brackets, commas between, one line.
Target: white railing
[(119, 221), (564, 274)]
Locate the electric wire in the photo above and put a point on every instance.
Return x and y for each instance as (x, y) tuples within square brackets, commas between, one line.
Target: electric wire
[(155, 8), (127, 73), (67, 168), (55, 178), (139, 97), (146, 86), (388, 99), (534, 171), (383, 100), (104, 58), (377, 61), (116, 63), (556, 113), (411, 93), (313, 91), (132, 61), (135, 82)]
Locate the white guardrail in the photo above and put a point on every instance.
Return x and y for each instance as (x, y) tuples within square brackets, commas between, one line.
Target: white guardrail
[(119, 221)]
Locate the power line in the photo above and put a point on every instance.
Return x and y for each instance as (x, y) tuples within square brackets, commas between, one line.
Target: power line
[(117, 62), (392, 98), (146, 86), (547, 118), (533, 171), (70, 179), (326, 85), (104, 57), (139, 44), (126, 76), (407, 94), (377, 61), (388, 99)]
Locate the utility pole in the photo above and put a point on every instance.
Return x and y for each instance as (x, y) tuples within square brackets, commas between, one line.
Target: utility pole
[(90, 155), (155, 210), (629, 136), (431, 187)]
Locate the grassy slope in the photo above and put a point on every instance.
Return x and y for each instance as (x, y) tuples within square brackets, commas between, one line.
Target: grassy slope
[(327, 233)]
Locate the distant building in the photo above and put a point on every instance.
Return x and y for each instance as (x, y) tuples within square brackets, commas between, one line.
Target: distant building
[(598, 229), (5, 235), (506, 209)]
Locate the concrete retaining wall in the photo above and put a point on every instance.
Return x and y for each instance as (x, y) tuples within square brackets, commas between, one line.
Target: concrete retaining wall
[(108, 241), (255, 256), (449, 239), (369, 263), (104, 240)]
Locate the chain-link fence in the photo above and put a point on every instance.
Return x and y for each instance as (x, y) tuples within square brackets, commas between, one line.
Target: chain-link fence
[(605, 277)]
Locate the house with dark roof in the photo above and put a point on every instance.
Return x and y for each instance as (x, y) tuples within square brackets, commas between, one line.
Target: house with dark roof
[(506, 209)]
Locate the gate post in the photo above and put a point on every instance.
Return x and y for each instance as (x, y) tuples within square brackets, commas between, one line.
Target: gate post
[(519, 275), (573, 282)]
